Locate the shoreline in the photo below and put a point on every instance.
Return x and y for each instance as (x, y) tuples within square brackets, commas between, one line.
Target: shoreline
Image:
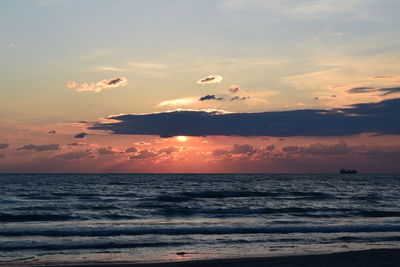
[(362, 258)]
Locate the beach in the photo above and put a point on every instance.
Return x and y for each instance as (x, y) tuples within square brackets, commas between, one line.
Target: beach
[(365, 258)]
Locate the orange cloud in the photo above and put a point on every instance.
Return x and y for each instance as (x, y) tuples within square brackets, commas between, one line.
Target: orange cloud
[(211, 79), (99, 86)]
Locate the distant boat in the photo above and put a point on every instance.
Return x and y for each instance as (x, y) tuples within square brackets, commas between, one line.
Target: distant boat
[(344, 171)]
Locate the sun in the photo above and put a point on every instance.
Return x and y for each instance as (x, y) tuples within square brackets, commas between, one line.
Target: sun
[(181, 138)]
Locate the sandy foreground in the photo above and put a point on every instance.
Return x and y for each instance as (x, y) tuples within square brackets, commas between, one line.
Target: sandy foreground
[(365, 258)]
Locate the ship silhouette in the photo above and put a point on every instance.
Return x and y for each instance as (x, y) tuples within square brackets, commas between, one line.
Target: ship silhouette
[(348, 171)]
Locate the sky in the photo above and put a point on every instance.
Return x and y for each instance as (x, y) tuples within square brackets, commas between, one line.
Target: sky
[(264, 86)]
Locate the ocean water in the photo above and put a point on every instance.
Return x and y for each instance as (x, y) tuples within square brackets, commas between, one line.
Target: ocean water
[(54, 218)]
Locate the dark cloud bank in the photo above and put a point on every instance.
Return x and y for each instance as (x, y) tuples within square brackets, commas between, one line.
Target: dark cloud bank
[(381, 118)]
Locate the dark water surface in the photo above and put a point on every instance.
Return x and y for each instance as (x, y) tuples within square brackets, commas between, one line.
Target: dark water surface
[(150, 217)]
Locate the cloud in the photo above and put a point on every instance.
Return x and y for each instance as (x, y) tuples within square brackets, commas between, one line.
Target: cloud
[(318, 149), (211, 97), (381, 118), (99, 86), (151, 66), (169, 150), (2, 156), (321, 149), (72, 84), (367, 89), (245, 150), (81, 135), (242, 149), (219, 152), (383, 77), (108, 68), (233, 88), (179, 102), (76, 144), (131, 150), (291, 149), (75, 155), (40, 148), (144, 154), (300, 9), (270, 148), (211, 79), (191, 100), (154, 70), (151, 153), (222, 98), (4, 146), (239, 98), (359, 118), (103, 151)]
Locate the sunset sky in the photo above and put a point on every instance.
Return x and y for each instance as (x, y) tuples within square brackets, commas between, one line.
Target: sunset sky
[(199, 86)]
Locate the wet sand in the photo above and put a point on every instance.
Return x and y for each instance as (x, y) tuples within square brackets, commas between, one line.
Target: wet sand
[(366, 258)]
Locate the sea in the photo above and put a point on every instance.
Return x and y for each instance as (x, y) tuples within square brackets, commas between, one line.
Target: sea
[(100, 218)]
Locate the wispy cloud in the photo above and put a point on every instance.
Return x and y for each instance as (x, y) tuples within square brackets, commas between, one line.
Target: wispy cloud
[(383, 77), (301, 9), (381, 91), (99, 86), (147, 68), (109, 68), (47, 2), (144, 65), (178, 102), (211, 79)]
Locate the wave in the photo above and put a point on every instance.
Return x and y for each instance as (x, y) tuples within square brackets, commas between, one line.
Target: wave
[(239, 194), (115, 213), (380, 213), (203, 230), (306, 212), (4, 217), (188, 196), (108, 245)]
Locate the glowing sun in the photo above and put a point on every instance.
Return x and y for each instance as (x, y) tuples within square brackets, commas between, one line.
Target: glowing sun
[(181, 138)]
